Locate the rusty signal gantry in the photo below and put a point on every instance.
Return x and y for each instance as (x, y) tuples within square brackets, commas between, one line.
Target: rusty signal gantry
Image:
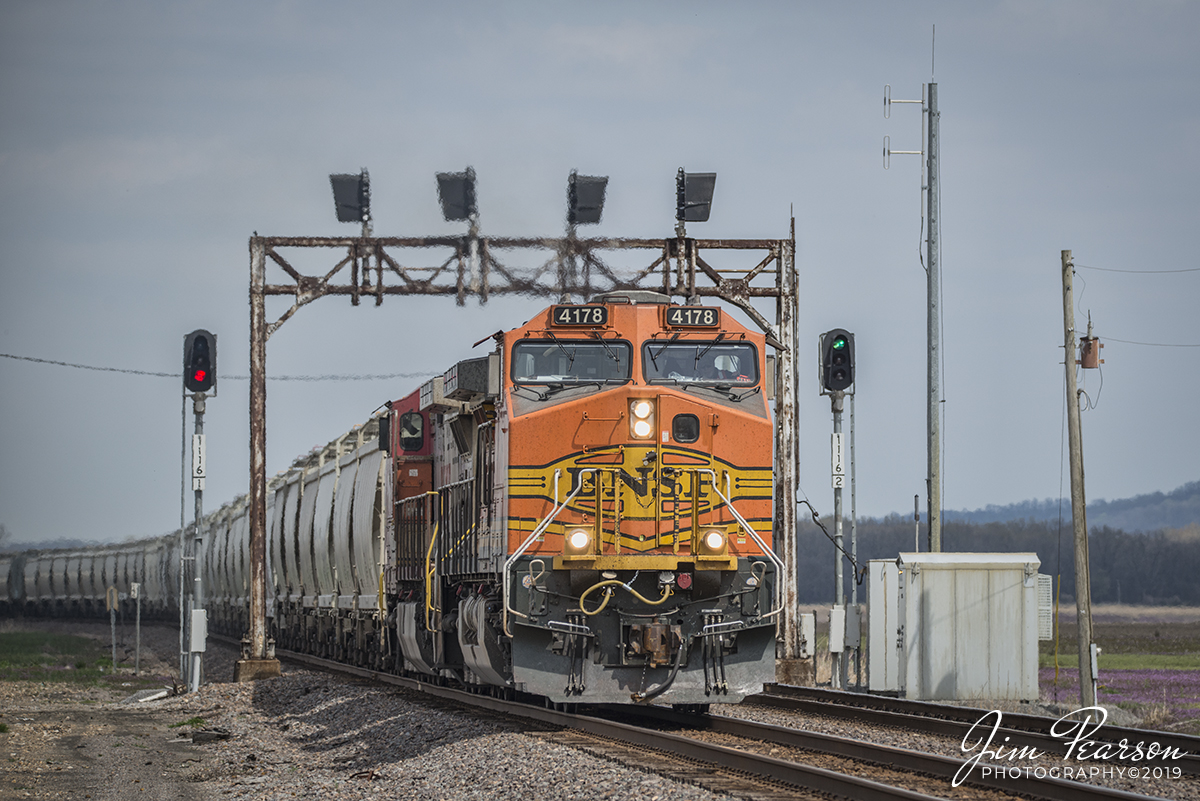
[(563, 267)]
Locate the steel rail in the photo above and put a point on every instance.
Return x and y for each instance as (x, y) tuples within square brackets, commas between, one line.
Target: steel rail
[(916, 761), (956, 721), (737, 761), (747, 762)]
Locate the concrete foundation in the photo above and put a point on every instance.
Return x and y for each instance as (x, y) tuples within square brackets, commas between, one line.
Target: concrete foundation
[(796, 672), (255, 669)]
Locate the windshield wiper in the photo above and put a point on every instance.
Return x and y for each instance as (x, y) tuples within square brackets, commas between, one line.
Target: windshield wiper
[(700, 353), (541, 396), (612, 354), (654, 356), (555, 387), (570, 356)]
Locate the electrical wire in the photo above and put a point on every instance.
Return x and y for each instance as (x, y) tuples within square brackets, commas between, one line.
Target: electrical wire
[(1062, 451), (1140, 272), (381, 377), (1091, 404), (1149, 344), (859, 573)]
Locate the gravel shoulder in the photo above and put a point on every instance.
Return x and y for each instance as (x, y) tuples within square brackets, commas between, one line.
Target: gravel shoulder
[(304, 735)]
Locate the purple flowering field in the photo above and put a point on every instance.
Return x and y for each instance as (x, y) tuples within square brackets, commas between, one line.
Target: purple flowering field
[(1147, 665), (1163, 698)]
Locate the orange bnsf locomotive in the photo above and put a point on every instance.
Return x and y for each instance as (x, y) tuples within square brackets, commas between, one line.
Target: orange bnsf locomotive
[(585, 514)]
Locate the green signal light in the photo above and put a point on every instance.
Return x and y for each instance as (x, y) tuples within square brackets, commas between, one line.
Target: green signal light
[(839, 343)]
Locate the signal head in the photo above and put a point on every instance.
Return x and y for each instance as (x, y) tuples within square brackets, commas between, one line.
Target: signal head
[(199, 361), (837, 360)]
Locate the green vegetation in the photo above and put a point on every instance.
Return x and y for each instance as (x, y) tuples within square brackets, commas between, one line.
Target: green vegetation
[(44, 657), (193, 723), (1126, 661)]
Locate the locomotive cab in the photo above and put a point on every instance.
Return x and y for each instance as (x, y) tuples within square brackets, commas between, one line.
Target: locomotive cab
[(639, 494)]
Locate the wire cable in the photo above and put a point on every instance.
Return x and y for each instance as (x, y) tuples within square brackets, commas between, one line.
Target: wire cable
[(1140, 272), (859, 573), (1149, 344), (380, 377)]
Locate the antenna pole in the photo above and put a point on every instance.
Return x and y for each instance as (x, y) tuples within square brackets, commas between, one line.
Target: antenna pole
[(933, 323)]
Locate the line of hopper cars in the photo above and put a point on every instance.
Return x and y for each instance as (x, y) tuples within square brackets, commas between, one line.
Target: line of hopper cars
[(582, 514)]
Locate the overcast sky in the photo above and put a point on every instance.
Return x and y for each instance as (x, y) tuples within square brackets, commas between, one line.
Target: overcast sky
[(142, 143)]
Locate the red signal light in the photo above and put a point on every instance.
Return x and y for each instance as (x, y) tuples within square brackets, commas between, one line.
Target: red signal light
[(199, 362)]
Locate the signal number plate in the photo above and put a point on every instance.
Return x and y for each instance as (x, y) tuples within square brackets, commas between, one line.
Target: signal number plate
[(580, 315), (693, 317)]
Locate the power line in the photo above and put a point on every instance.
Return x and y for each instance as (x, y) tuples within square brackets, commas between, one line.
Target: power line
[(1139, 272), (380, 377), (1151, 344)]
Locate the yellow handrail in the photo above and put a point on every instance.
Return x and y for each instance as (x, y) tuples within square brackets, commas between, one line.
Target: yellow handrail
[(430, 569)]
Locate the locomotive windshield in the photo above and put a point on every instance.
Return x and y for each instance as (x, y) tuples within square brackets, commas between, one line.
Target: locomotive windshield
[(711, 363), (561, 361)]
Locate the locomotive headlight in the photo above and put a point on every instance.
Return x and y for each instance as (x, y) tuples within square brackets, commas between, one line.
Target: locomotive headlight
[(713, 540), (641, 418), (578, 540)]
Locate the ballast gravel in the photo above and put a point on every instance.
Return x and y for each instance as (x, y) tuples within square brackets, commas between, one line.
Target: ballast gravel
[(305, 735)]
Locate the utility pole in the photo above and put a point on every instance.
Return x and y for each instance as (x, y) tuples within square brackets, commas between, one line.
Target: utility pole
[(933, 479), (1083, 582), (933, 319)]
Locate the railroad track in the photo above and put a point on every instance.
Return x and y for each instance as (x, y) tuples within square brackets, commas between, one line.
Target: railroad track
[(747, 759), (955, 722)]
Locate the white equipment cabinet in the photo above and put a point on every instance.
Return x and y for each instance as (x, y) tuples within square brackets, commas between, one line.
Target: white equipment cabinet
[(954, 626)]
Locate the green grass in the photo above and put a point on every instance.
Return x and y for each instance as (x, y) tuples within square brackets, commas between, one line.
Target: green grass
[(45, 657), (1127, 661), (38, 656), (194, 723)]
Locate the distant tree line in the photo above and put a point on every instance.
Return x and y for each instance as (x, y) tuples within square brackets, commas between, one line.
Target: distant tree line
[(1150, 512), (1160, 567)]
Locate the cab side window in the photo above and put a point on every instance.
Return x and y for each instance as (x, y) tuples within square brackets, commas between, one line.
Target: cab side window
[(412, 431)]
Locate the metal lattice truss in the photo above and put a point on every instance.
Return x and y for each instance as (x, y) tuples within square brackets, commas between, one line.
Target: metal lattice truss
[(538, 267), (732, 270)]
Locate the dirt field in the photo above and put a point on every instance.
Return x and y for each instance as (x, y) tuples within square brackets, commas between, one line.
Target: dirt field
[(75, 739)]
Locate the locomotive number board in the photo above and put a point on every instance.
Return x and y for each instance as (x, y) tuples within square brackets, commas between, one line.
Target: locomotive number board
[(693, 317), (579, 315)]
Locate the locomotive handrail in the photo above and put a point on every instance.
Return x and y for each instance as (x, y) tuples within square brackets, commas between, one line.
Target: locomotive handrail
[(431, 568), (537, 531), (757, 539)]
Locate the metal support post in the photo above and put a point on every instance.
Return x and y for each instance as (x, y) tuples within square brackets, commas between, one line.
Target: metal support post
[(854, 547), (933, 321), (199, 472), (933, 479), (135, 591), (113, 599), (787, 451), (255, 662), (1083, 582), (838, 662)]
